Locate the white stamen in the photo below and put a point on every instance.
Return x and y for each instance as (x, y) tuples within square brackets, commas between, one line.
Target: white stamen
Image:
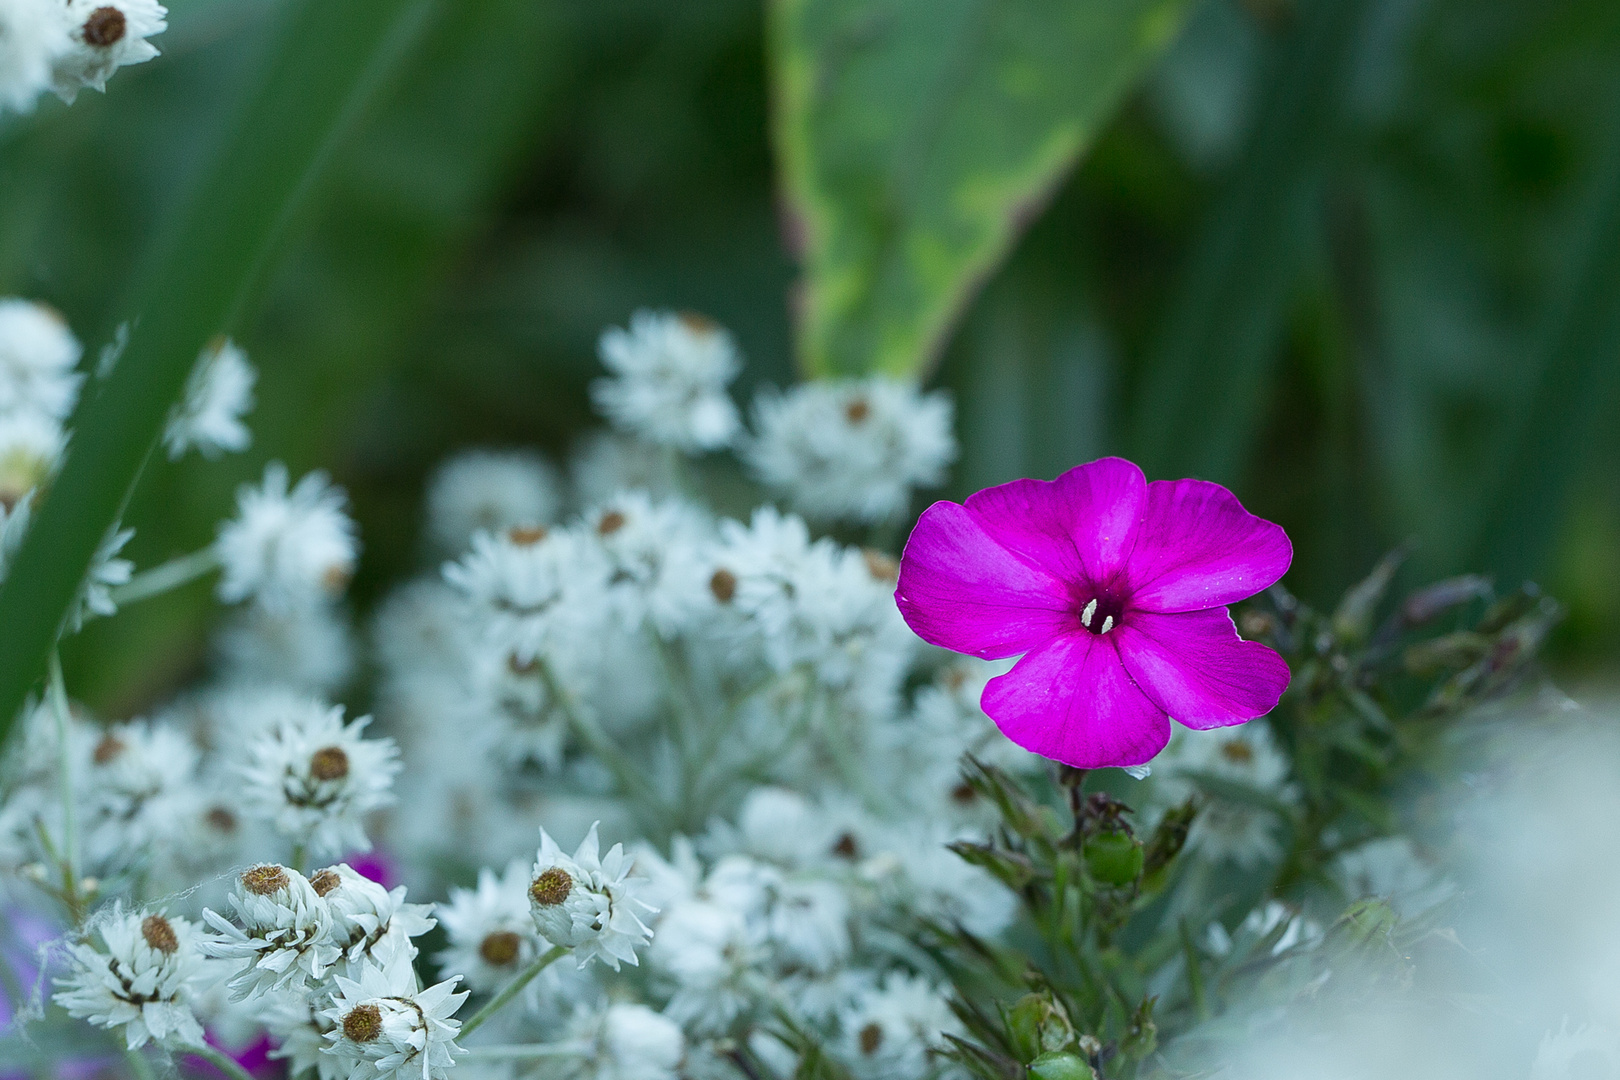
[(1085, 616), (1108, 623)]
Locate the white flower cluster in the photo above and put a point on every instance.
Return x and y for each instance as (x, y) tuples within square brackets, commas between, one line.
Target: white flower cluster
[(69, 45)]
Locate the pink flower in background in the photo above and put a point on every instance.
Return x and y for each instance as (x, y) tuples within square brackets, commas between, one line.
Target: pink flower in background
[(1115, 590)]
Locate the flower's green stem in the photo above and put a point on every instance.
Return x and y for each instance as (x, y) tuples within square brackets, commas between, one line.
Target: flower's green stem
[(170, 575), (496, 1003)]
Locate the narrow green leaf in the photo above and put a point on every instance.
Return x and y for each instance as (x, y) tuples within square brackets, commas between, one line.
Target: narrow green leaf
[(1202, 394), (326, 64), (916, 138)]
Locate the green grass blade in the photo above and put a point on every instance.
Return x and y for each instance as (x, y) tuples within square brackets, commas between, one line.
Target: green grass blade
[(327, 63)]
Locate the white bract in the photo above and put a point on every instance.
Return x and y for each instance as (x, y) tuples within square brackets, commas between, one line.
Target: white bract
[(287, 548), (852, 450), (286, 938), (587, 902), (669, 378), (219, 392), (33, 33), (142, 979), (492, 935), (381, 1025)]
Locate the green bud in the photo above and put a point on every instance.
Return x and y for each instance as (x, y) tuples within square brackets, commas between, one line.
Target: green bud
[(1113, 857), (1061, 1067), (1036, 1024)]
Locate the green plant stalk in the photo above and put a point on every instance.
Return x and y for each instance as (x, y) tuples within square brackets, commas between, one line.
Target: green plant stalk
[(70, 838), (170, 575), (327, 63), (512, 989)]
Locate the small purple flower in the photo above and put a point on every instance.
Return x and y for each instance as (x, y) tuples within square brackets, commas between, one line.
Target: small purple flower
[(1115, 590)]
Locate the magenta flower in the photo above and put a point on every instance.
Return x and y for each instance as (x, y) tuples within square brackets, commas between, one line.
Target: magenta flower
[(1115, 590)]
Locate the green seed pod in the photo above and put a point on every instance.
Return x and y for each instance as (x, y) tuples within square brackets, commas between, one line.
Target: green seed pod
[(1036, 1025), (1061, 1067), (1113, 857)]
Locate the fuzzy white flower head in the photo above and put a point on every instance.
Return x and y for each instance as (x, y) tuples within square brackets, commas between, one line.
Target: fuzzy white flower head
[(31, 444), (367, 917), (314, 779), (714, 954), (286, 940), (309, 648), (894, 1031), (381, 1025), (37, 356), (142, 980), (587, 902), (627, 1041), (491, 932), (32, 36), (490, 491), (298, 1027), (669, 376), (603, 463), (287, 548), (808, 924), (656, 553), (218, 394), (106, 35), (533, 591), (142, 786), (852, 450), (106, 571)]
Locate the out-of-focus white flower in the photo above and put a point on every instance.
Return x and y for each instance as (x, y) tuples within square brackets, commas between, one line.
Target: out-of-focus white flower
[(308, 648), (142, 980), (782, 827), (286, 940), (711, 951), (490, 491), (1576, 1053), (533, 590), (808, 924), (669, 377), (33, 33), (369, 920), (491, 932), (31, 444), (141, 790), (287, 548), (37, 354), (106, 35), (1227, 828), (1392, 869), (297, 1025), (603, 464), (942, 885), (382, 1026), (626, 1041), (894, 1031), (852, 450), (588, 902), (106, 571), (314, 778), (656, 558), (218, 394)]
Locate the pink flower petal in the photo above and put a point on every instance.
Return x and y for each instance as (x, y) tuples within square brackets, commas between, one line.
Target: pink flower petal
[(1071, 700), (1079, 527), (1196, 548), (962, 590), (1194, 665)]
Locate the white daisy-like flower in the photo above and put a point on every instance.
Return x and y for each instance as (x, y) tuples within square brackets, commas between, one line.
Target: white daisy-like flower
[(287, 940), (1227, 829), (713, 953), (31, 444), (106, 35), (808, 924), (894, 1031), (32, 35), (368, 918), (492, 935), (669, 377), (218, 394), (587, 902), (143, 979), (141, 788), (852, 450), (490, 491), (382, 1026), (314, 779), (655, 550), (626, 1041), (106, 572), (38, 354), (942, 885), (287, 548), (533, 590)]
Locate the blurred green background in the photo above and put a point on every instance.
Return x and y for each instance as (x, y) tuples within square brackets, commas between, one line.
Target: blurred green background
[(1358, 259)]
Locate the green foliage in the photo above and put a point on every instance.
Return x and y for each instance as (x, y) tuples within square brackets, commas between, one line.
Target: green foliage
[(916, 138)]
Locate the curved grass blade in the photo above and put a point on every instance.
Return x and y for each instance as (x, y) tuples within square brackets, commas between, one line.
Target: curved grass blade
[(327, 62)]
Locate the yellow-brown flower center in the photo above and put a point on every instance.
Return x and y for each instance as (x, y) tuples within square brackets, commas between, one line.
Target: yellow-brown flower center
[(159, 933), (264, 879), (500, 948), (105, 26), (362, 1024), (551, 887), (329, 763)]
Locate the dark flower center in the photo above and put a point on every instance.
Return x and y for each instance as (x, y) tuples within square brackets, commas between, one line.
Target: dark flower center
[(264, 879), (871, 1039), (363, 1023), (159, 933), (104, 27), (724, 585), (500, 948), (1101, 613), (329, 763), (325, 881), (551, 887)]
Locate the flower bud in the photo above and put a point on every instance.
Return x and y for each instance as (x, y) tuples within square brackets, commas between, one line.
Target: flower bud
[(1113, 857), (1036, 1025), (1060, 1066)]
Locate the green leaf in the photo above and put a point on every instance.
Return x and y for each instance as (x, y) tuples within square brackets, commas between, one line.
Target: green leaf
[(916, 138), (325, 65)]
